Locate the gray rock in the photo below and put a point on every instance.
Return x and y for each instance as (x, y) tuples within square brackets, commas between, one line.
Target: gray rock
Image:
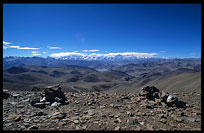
[(91, 111), (112, 105), (26, 100), (13, 103), (22, 127), (55, 104), (76, 121), (40, 105), (191, 119), (5, 94), (35, 100), (26, 124), (16, 95), (53, 94)]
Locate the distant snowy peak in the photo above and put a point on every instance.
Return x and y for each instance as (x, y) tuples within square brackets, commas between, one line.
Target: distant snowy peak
[(98, 57), (109, 56)]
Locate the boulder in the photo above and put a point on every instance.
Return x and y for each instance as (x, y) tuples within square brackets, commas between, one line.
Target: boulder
[(5, 94), (172, 99), (35, 100), (163, 96), (53, 94), (35, 89), (150, 92)]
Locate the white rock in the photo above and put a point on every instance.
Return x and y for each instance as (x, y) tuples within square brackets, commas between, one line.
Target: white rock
[(55, 104), (170, 98), (42, 100)]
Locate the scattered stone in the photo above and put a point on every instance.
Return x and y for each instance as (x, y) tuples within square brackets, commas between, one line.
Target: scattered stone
[(163, 120), (137, 128), (142, 123), (191, 119), (112, 105), (20, 106), (76, 121), (14, 117), (179, 120), (118, 120), (6, 94), (35, 100), (22, 127), (150, 92), (36, 121), (58, 115), (117, 128), (26, 124), (53, 94), (150, 127), (35, 89), (40, 113), (8, 124), (102, 106), (26, 100), (91, 111), (132, 121), (15, 95), (105, 112), (172, 99), (40, 105), (33, 127), (55, 104), (84, 127), (13, 103)]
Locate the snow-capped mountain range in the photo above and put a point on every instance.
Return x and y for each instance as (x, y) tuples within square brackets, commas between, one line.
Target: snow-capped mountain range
[(93, 61), (108, 56)]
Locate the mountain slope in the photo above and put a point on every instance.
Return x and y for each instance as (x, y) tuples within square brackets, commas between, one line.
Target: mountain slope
[(69, 76), (181, 82)]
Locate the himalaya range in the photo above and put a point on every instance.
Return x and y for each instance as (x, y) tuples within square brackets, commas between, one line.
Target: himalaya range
[(96, 62), (117, 74)]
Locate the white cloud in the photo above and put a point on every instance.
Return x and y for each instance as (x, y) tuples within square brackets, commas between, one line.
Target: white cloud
[(44, 52), (61, 54), (36, 54), (93, 50), (53, 47), (4, 47), (17, 47), (6, 43), (28, 48)]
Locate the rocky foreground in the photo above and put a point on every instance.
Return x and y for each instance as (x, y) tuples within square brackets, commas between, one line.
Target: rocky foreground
[(52, 109)]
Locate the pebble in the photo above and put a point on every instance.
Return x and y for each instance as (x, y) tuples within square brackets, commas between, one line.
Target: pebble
[(13, 103), (76, 121), (191, 120), (112, 105), (142, 123), (26, 124), (117, 128), (102, 114)]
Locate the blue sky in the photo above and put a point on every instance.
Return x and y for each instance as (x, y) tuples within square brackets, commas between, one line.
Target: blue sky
[(163, 30)]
